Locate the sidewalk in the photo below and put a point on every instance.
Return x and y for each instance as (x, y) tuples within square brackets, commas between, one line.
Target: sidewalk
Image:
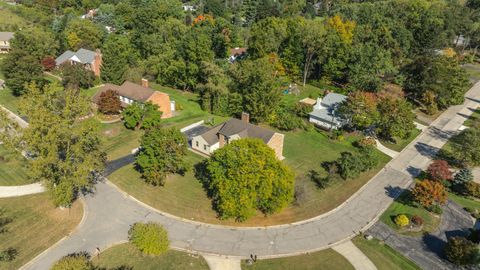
[(355, 256), (15, 191)]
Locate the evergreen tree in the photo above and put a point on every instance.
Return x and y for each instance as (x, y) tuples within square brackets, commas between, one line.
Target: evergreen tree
[(118, 56)]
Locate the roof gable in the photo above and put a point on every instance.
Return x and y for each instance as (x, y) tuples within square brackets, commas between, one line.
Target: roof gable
[(237, 127)]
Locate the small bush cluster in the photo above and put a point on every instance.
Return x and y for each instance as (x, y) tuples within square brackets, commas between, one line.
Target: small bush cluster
[(417, 220), (8, 254), (366, 142), (149, 238), (350, 165), (472, 189), (402, 220)]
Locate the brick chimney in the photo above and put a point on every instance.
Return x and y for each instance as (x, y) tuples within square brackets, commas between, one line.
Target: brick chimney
[(221, 140), (97, 62), (245, 117), (145, 83)]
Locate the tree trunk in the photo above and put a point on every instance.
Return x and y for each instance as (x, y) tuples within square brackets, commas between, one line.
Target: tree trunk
[(308, 61)]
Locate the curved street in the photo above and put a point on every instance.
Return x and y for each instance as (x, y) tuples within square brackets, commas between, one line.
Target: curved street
[(109, 212)]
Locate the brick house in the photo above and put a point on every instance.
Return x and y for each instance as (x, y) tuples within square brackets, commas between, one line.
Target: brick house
[(130, 92), (91, 60), (5, 38), (234, 129)]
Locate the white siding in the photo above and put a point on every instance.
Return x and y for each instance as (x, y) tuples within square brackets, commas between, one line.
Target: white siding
[(199, 144), (322, 124)]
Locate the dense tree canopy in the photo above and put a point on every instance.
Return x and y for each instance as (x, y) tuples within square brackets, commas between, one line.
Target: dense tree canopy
[(162, 152), (245, 176), (67, 153)]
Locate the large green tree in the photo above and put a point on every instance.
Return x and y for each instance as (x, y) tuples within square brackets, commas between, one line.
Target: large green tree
[(259, 84), (20, 69), (83, 34), (64, 144), (162, 152), (118, 56), (465, 147), (395, 118), (144, 116), (440, 75), (245, 176)]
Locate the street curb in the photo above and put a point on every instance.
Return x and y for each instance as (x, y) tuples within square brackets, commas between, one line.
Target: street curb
[(80, 224)]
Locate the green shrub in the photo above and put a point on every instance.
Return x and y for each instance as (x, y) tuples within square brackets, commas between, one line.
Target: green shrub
[(436, 209), (302, 110), (149, 238), (461, 251), (473, 189), (75, 261), (402, 220), (8, 255)]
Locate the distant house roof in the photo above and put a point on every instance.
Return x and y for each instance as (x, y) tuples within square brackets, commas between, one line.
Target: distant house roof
[(6, 36), (327, 115), (238, 51), (83, 56), (239, 128), (127, 89)]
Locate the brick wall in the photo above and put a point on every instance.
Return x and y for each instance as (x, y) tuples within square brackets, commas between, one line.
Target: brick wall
[(276, 143), (163, 101)]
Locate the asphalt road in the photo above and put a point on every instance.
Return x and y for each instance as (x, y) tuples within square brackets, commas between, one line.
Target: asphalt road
[(110, 212)]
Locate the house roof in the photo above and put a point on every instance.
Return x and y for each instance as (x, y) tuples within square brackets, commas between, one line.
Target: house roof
[(6, 36), (127, 89), (327, 115), (237, 127), (333, 98), (83, 56), (238, 51)]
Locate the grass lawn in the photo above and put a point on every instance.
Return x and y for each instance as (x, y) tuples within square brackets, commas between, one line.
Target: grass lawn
[(400, 206), (184, 196), (402, 143), (128, 255), (474, 119), (36, 225), (383, 256), (322, 260), (465, 202), (473, 71), (119, 141), (12, 168)]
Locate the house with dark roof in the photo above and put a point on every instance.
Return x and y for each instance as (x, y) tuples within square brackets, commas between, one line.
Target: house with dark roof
[(130, 92), (5, 38), (236, 54), (91, 60), (325, 112), (234, 129)]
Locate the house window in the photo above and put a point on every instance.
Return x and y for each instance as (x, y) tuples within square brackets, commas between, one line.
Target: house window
[(196, 143), (205, 147)]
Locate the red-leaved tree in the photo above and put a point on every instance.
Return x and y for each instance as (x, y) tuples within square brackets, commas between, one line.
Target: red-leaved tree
[(109, 102), (439, 170), (48, 63)]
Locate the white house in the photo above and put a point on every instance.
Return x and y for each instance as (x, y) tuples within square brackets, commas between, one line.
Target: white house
[(5, 38), (325, 112)]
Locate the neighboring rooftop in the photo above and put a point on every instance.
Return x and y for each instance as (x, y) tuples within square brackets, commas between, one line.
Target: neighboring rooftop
[(240, 128), (128, 89), (238, 51), (6, 36), (83, 56)]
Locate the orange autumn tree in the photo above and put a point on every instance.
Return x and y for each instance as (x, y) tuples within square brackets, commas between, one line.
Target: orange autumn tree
[(428, 193)]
